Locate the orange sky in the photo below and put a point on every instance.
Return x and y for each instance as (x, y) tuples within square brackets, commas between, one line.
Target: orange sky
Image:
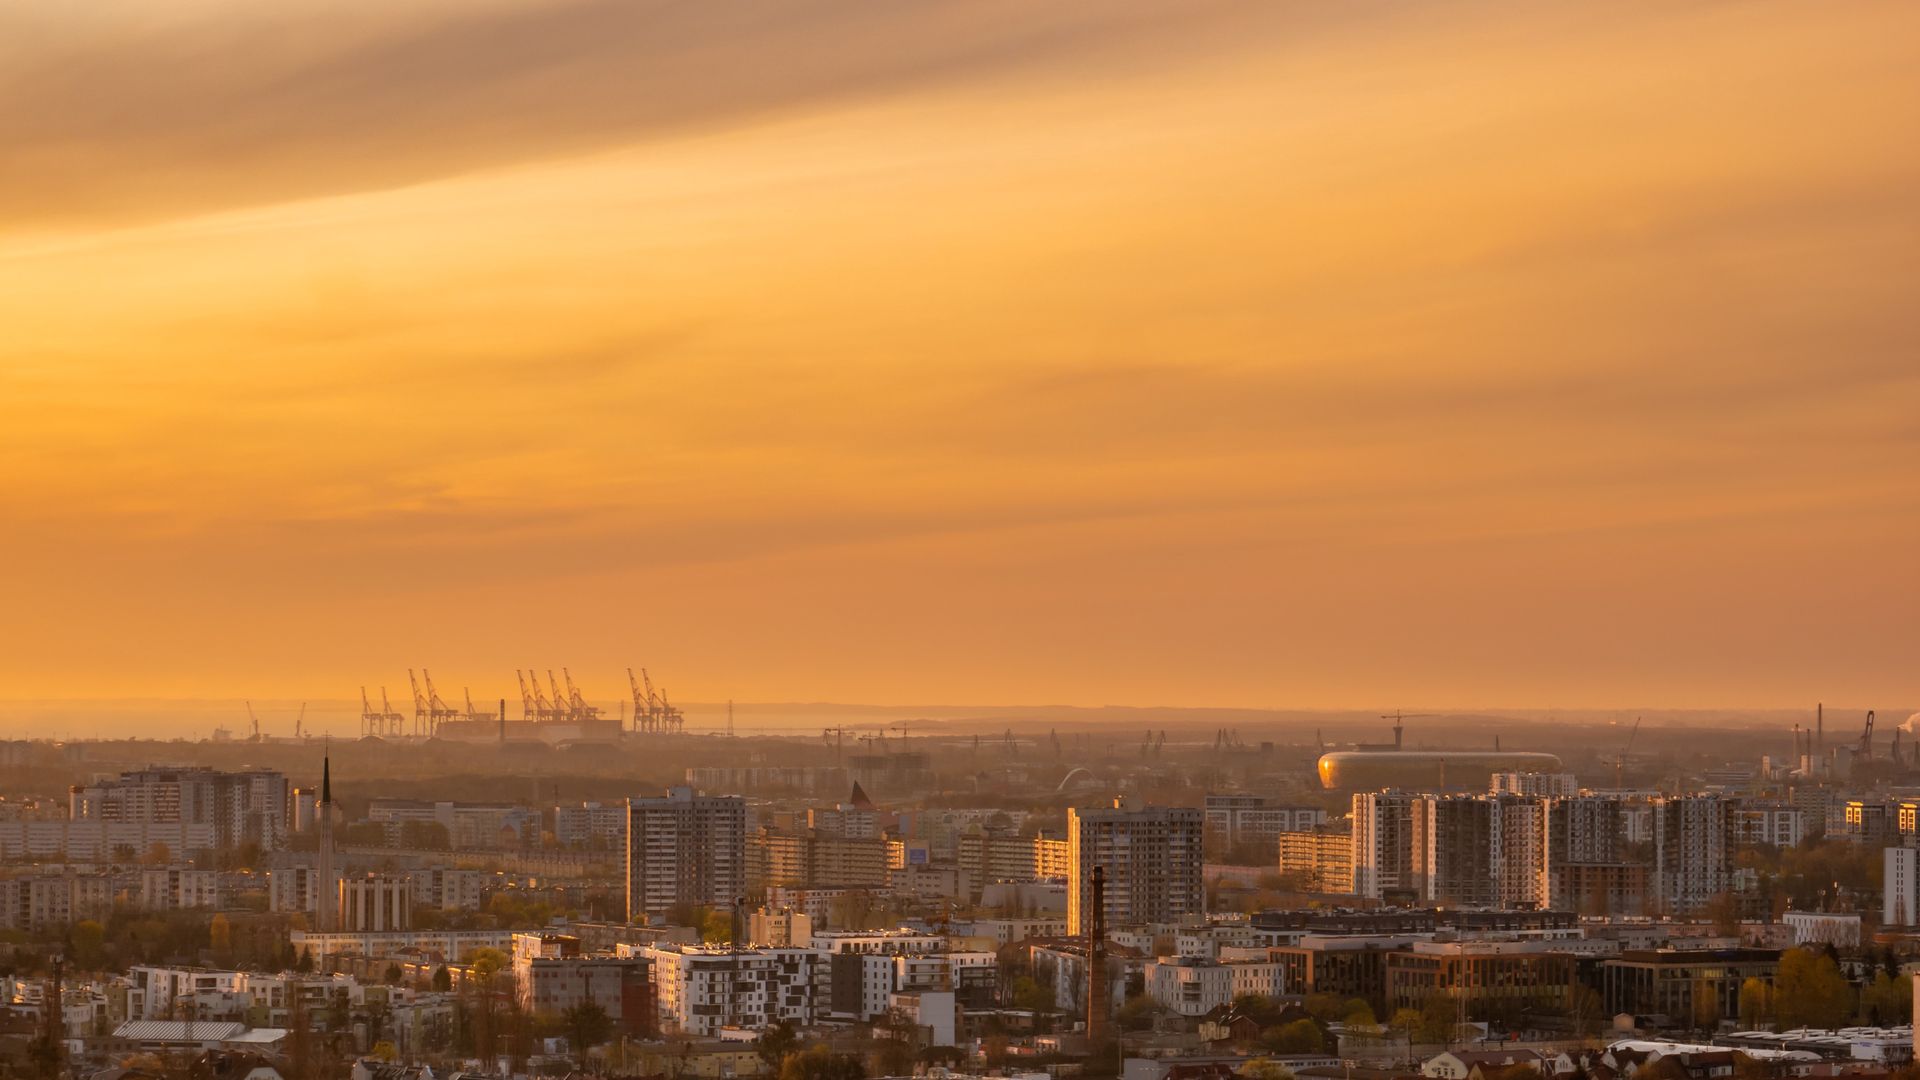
[(1253, 354)]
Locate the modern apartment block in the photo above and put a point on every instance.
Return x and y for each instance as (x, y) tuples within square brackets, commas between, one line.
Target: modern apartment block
[(252, 807), (599, 826), (1900, 896), (1556, 785), (1321, 857), (703, 988), (1694, 847), (1152, 857), (684, 848), (1255, 819), (1382, 842)]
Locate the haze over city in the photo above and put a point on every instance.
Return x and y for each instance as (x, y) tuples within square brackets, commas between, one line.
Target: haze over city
[(979, 540), (1287, 356)]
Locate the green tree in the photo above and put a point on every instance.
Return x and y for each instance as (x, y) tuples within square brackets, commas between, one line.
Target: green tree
[(1724, 910), (819, 1063), (1706, 1004), (1297, 1037), (776, 1043), (1265, 1069), (220, 935), (1325, 1007), (87, 940), (1586, 1010), (1137, 1013), (1439, 1018), (587, 1025), (1756, 1004), (1809, 991), (1257, 1007), (1887, 1000), (442, 979), (716, 927), (1359, 1016), (487, 962), (1028, 993)]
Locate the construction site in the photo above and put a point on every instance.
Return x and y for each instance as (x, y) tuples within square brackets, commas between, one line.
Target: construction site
[(554, 711)]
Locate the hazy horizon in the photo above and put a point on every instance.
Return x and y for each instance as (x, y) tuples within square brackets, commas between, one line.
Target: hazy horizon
[(843, 350)]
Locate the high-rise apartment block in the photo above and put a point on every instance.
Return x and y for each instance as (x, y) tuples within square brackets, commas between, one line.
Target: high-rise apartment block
[(1557, 785), (1693, 850), (1900, 898), (1382, 838), (1238, 819), (1321, 857), (253, 807), (684, 848), (1152, 856)]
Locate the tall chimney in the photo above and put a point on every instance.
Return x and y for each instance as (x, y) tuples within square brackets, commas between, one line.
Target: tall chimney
[(1097, 1008)]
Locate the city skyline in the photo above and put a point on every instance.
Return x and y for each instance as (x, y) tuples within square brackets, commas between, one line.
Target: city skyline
[(1241, 356)]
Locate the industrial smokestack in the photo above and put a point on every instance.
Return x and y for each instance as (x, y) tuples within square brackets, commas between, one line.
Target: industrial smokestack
[(1096, 964)]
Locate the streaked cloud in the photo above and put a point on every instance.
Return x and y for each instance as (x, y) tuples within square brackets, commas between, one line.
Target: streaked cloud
[(1475, 353)]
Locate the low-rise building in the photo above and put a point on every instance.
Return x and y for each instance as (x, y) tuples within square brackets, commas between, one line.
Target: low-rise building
[(701, 989)]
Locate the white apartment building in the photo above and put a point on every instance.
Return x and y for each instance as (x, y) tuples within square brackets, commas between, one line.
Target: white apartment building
[(1772, 824), (375, 903), (700, 989), (171, 888), (48, 899), (1693, 837), (1382, 842), (1152, 857), (1900, 899), (684, 848), (847, 821), (252, 807), (1255, 819), (104, 841), (1189, 986), (551, 975), (1555, 785), (597, 826), (451, 888)]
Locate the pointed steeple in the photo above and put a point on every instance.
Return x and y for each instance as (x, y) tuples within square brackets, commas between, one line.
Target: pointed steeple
[(326, 778)]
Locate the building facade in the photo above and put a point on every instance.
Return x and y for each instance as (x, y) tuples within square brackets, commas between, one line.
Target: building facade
[(684, 848), (1152, 858)]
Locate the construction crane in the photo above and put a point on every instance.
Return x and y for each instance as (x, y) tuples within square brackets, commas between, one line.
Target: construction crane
[(300, 721), (438, 711), (1399, 723), (420, 721), (391, 722), (837, 736), (577, 707), (1866, 738), (672, 720), (653, 714), (1620, 759), (256, 722), (643, 704)]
